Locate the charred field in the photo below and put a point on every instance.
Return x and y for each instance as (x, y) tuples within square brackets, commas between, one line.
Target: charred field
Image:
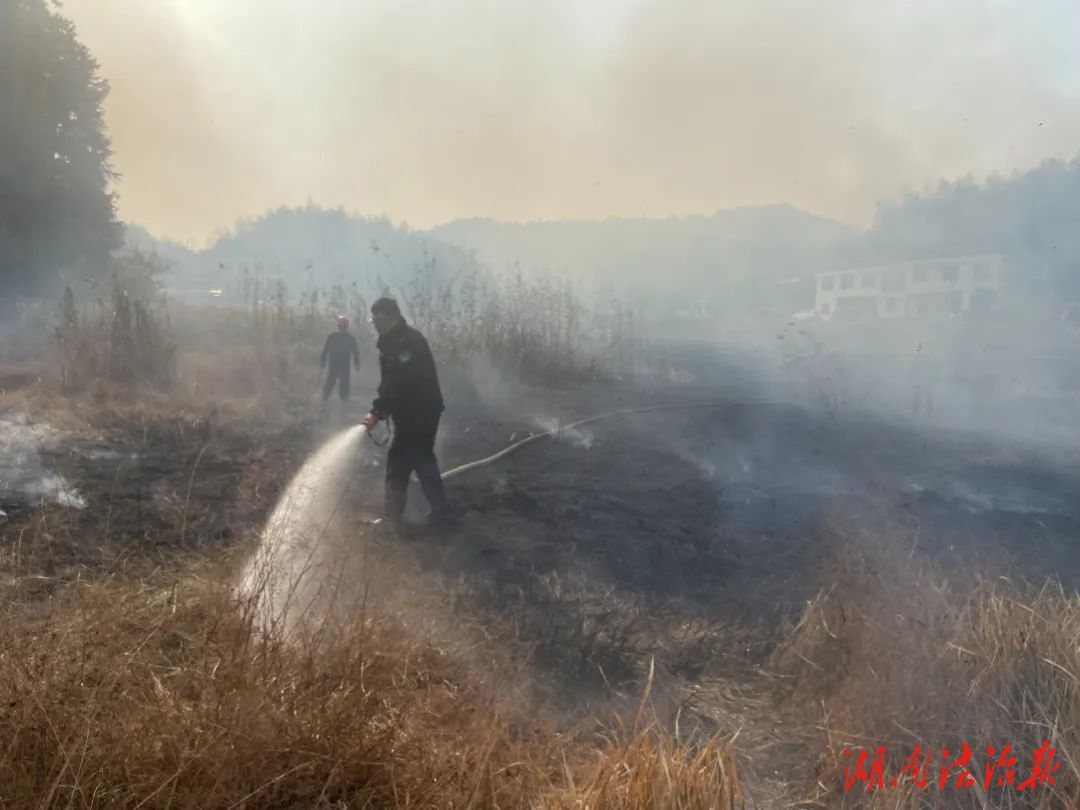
[(749, 589)]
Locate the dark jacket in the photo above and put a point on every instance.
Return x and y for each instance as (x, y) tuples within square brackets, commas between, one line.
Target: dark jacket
[(409, 389), (339, 346)]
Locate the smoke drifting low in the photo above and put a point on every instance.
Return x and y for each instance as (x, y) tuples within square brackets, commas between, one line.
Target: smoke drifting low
[(519, 110)]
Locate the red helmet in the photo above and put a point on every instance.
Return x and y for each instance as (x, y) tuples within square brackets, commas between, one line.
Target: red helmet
[(343, 322)]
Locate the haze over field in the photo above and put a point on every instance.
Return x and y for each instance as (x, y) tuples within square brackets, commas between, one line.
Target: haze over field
[(430, 112), (743, 333)]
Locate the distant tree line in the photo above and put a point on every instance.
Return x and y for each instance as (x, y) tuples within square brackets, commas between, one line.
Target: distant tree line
[(1032, 218)]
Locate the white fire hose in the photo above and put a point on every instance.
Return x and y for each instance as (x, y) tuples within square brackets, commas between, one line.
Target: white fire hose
[(506, 451)]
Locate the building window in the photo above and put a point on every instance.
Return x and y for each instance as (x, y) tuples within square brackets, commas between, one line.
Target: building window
[(847, 281), (894, 281), (950, 274), (826, 282), (826, 308), (856, 307), (981, 273), (982, 300), (918, 275), (891, 305), (869, 279)]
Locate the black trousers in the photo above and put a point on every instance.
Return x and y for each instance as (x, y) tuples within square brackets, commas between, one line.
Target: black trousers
[(336, 374), (413, 450)]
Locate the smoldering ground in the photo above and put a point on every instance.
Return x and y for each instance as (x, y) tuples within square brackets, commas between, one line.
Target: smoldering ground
[(683, 542), (719, 508), (688, 541)]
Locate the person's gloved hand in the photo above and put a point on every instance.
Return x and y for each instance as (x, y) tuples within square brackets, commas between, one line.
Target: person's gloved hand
[(370, 420)]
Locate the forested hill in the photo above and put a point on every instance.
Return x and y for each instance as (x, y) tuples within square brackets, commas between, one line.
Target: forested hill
[(1032, 218), (309, 246), (770, 240), (730, 261)]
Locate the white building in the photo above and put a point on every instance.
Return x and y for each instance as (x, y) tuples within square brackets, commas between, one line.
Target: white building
[(932, 288)]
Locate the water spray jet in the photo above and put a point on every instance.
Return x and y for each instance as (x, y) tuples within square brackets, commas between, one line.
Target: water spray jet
[(289, 569)]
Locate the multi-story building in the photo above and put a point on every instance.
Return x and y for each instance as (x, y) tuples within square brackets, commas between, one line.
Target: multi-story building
[(932, 288)]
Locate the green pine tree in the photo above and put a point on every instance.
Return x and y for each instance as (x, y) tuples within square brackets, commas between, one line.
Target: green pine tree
[(57, 215)]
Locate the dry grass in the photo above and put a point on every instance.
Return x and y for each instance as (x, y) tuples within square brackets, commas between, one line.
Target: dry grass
[(266, 350), (118, 338), (158, 694), (162, 696), (652, 771), (155, 692), (891, 655), (528, 324), (648, 769)]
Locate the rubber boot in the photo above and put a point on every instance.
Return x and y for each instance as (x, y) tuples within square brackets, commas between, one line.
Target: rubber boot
[(431, 481), (394, 509)]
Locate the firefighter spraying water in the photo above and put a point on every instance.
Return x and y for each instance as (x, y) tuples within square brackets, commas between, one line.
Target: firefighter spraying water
[(290, 570), (410, 396), (294, 566)]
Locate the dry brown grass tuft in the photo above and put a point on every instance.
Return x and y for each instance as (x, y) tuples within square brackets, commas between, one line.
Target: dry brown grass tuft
[(158, 694), (893, 656), (262, 352), (652, 771), (118, 338)]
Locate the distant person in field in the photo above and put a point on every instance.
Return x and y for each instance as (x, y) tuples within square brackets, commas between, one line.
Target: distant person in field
[(410, 396), (340, 348)]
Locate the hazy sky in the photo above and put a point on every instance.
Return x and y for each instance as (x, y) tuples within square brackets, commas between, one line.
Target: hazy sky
[(528, 109)]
